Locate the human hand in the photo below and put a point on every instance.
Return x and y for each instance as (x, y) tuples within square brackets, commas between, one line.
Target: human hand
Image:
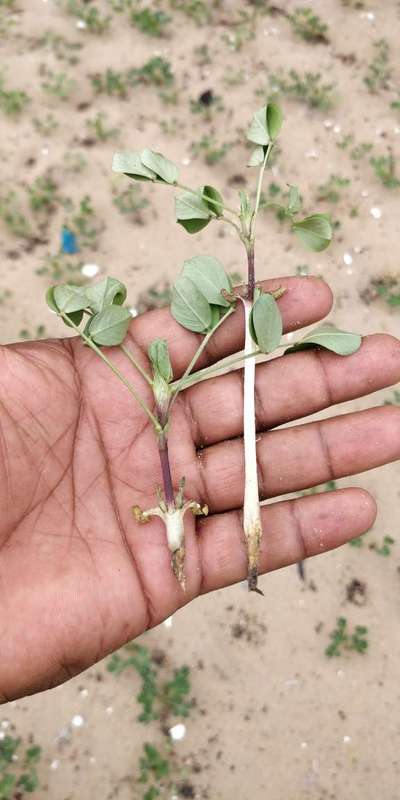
[(79, 577)]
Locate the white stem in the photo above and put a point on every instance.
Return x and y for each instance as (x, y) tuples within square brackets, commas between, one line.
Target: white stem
[(251, 506)]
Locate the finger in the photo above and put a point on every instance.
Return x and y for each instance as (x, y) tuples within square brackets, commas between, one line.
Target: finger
[(305, 301), (296, 458), (289, 388), (293, 531)]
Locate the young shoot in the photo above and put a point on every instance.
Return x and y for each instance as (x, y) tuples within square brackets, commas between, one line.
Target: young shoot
[(203, 298)]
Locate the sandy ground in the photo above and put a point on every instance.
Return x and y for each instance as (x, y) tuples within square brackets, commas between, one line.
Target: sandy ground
[(274, 718)]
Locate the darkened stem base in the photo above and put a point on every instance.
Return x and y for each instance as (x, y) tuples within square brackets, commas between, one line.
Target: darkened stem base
[(169, 495), (251, 275)]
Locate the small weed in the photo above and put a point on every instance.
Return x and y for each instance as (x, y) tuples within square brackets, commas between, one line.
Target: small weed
[(152, 23), (26, 335), (329, 486), (242, 30), (360, 150), (43, 194), (111, 82), (308, 88), (330, 191), (130, 200), (155, 72), (13, 216), (5, 296), (158, 295), (59, 268), (158, 699), (18, 770), (357, 542), (354, 4), (62, 49), (196, 10), (202, 55), (342, 639), (90, 16), (309, 26), (84, 224), (152, 765), (206, 104), (379, 70), (388, 289), (385, 549), (46, 126), (210, 150), (385, 170), (57, 84), (75, 162), (98, 126), (12, 101)]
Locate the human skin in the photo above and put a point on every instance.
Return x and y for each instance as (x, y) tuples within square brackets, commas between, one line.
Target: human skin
[(78, 576)]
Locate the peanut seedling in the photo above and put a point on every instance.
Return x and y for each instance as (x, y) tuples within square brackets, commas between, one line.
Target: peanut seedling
[(202, 299)]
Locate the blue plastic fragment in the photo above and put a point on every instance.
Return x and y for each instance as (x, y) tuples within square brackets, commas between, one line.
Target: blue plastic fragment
[(69, 242)]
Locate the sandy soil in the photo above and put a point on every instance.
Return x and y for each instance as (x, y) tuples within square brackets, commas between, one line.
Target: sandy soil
[(274, 718)]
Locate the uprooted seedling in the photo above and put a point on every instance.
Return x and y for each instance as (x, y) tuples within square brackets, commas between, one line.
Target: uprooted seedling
[(203, 298)]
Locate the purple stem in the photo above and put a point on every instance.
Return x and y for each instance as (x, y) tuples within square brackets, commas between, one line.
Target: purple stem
[(251, 279), (169, 495)]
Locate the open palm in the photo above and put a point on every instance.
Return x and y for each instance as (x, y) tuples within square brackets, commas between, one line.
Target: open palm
[(79, 577)]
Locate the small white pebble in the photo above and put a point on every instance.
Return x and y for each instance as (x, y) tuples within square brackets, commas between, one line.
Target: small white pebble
[(348, 259), (44, 151), (340, 673), (90, 270), (358, 249), (364, 193), (375, 212), (109, 710), (346, 739), (133, 311), (304, 745), (312, 154), (337, 128), (84, 692), (370, 16), (185, 161), (92, 760), (81, 24), (55, 764), (328, 123), (397, 129), (5, 724), (168, 622), (177, 732), (77, 721)]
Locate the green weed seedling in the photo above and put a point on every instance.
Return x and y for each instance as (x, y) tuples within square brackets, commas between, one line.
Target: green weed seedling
[(379, 70), (12, 101), (309, 26), (57, 84), (385, 170), (129, 200), (98, 126), (330, 192), (197, 10), (342, 639), (308, 88), (89, 15), (152, 23), (394, 400), (18, 772), (13, 216), (385, 549), (211, 151), (203, 298), (159, 698)]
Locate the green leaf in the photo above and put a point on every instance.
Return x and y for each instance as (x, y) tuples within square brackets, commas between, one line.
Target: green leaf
[(108, 292), (265, 125), (131, 165), (69, 298), (257, 157), (191, 211), (294, 202), (110, 326), (314, 231), (159, 357), (209, 276), (189, 307), (213, 194), (163, 168), (274, 120), (258, 131), (266, 323), (331, 338)]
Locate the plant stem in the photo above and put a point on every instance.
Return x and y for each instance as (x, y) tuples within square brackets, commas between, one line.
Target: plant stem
[(251, 506), (114, 369), (136, 364), (178, 384), (259, 186), (169, 494)]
